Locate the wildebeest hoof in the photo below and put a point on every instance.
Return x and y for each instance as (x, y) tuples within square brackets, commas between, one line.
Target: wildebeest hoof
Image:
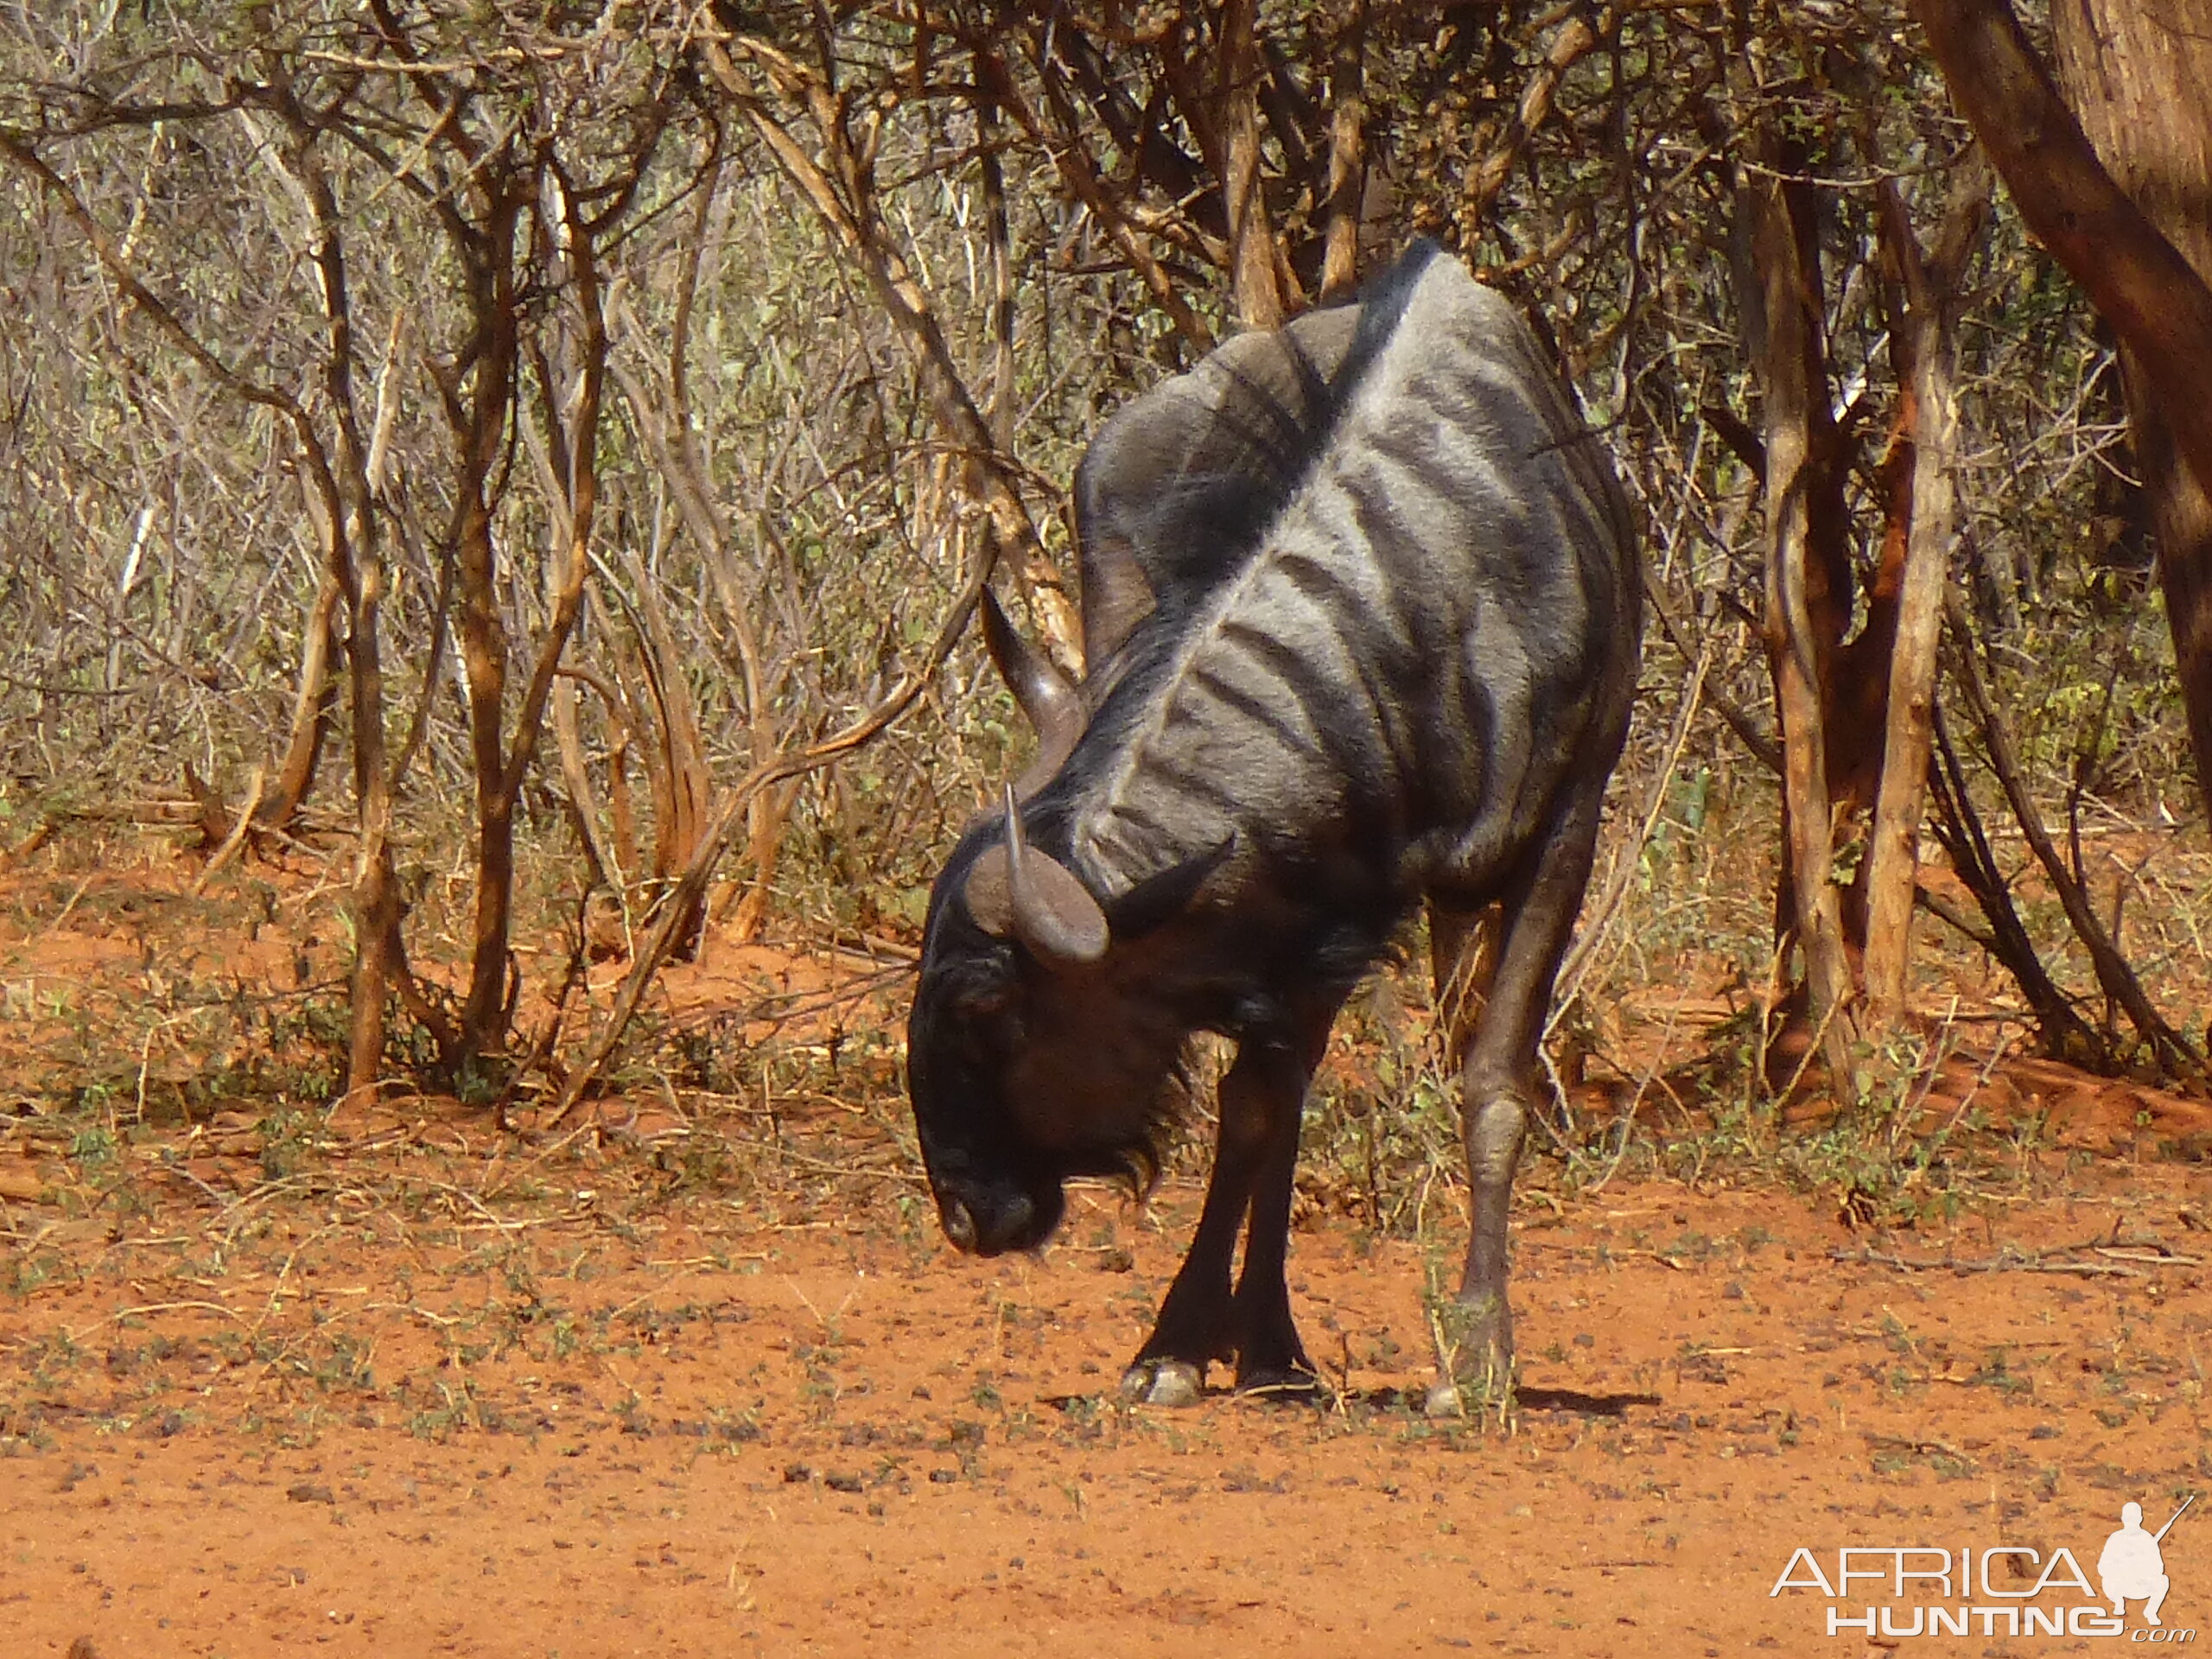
[(1163, 1383), (1460, 1397)]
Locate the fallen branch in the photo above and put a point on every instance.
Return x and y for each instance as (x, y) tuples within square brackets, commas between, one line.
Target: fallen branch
[(2005, 1262)]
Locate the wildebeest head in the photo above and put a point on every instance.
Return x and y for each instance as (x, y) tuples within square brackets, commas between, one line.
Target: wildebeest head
[(1040, 1047)]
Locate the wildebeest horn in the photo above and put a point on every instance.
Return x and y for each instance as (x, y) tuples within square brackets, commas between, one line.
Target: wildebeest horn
[(1117, 594), (1048, 699), (1053, 912)]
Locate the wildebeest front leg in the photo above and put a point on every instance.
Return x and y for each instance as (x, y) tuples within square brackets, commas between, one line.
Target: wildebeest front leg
[(1202, 1320), (1498, 1079)]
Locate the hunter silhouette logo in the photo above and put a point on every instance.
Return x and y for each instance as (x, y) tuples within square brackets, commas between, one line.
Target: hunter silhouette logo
[(2132, 1567), (1889, 1591)]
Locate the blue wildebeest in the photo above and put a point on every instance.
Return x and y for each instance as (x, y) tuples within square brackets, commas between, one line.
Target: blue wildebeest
[(1361, 610)]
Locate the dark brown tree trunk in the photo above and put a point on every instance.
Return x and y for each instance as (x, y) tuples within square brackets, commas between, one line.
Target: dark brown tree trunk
[(2139, 80), (484, 638), (2143, 80)]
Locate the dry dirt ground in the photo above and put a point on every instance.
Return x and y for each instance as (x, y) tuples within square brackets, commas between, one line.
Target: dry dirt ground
[(402, 1385)]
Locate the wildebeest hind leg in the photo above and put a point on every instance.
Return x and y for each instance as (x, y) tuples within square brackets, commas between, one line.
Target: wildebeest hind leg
[(1497, 1076), (1200, 1321)]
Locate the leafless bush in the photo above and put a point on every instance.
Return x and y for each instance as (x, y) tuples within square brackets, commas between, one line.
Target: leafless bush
[(435, 428)]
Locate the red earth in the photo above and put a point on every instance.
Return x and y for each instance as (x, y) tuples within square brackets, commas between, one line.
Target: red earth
[(710, 1384)]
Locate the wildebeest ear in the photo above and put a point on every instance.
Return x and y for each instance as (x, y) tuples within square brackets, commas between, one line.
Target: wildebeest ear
[(1159, 899)]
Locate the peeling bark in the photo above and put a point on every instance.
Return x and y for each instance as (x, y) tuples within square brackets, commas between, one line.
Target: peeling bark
[(1931, 287), (1796, 407)]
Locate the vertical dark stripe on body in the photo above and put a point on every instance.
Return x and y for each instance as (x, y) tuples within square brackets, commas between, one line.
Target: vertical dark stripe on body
[(1380, 523), (1167, 769), (1259, 711), (1298, 675), (1351, 614)]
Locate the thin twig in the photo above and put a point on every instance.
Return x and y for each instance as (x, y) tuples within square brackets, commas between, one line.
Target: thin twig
[(2004, 1264)]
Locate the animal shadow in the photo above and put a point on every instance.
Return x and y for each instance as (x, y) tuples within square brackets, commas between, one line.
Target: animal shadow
[(1583, 1405)]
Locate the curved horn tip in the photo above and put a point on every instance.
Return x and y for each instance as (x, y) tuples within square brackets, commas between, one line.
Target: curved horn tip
[(1048, 699), (1053, 913)]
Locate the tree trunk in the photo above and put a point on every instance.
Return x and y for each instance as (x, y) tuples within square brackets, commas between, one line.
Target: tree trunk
[(1799, 588), (1347, 180), (1251, 237), (484, 648), (2139, 80), (2144, 80), (311, 711), (1892, 851)]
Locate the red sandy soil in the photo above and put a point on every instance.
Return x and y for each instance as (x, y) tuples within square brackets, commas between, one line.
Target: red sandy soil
[(407, 1387), (674, 1434)]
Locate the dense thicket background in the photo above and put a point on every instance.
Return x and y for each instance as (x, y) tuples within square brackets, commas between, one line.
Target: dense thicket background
[(495, 449)]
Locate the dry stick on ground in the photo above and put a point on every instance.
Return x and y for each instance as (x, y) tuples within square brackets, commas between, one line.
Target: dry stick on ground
[(2170, 1050), (2008, 1264)]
